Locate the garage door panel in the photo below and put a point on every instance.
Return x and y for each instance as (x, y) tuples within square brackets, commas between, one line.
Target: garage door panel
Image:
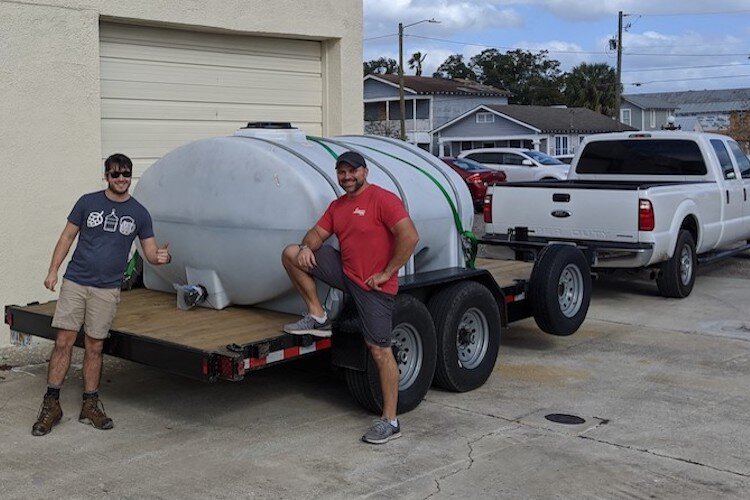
[(143, 139), (167, 110), (162, 88), (269, 62), (207, 93), (230, 77), (191, 40), (162, 72)]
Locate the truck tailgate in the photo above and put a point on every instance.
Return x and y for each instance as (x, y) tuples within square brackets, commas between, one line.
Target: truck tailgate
[(561, 210)]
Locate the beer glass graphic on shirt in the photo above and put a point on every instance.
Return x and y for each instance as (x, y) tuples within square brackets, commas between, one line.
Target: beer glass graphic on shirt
[(110, 222), (127, 225)]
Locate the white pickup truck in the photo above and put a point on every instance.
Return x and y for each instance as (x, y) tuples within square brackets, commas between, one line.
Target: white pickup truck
[(663, 200)]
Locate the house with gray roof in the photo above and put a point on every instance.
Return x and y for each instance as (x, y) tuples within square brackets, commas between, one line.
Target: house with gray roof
[(554, 130), (645, 112), (430, 102), (712, 108)]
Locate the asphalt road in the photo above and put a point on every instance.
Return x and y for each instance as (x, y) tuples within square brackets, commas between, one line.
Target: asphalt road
[(661, 385)]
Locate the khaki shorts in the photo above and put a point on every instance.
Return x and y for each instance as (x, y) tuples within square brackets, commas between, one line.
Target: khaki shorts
[(87, 306)]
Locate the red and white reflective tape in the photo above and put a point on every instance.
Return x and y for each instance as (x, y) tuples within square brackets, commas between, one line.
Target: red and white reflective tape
[(509, 299), (288, 353)]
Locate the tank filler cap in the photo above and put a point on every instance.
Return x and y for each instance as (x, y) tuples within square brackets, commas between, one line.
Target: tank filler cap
[(278, 131)]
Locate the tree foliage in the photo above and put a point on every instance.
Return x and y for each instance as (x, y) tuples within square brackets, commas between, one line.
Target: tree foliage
[(454, 67), (533, 78), (415, 62), (380, 66), (592, 86)]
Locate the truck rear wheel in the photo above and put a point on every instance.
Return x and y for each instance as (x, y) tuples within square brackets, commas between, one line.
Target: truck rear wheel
[(677, 275), (415, 352), (467, 324), (560, 289)]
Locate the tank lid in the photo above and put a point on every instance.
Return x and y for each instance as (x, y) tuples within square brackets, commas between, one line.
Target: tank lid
[(269, 125), (272, 131)]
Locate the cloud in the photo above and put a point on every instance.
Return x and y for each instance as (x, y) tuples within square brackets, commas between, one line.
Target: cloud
[(383, 16)]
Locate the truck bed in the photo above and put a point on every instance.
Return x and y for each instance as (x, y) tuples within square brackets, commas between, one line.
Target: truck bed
[(203, 343)]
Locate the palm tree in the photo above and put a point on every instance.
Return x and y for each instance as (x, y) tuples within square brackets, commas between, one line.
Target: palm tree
[(591, 86), (416, 61)]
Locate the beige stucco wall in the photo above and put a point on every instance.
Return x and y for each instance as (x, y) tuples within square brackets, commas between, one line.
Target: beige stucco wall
[(50, 138)]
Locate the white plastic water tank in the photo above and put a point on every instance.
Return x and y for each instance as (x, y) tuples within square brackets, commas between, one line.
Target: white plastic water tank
[(229, 205)]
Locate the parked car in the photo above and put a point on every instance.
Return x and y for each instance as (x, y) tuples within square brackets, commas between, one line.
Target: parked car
[(477, 177), (565, 158), (520, 164)]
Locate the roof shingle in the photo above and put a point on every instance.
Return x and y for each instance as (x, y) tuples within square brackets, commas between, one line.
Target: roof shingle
[(429, 85)]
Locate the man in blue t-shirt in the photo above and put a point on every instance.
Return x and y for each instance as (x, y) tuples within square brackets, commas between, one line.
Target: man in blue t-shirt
[(106, 223)]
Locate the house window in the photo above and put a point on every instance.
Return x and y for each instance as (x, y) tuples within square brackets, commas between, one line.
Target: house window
[(485, 118), (466, 145), (488, 144), (652, 119), (625, 116), (562, 145)]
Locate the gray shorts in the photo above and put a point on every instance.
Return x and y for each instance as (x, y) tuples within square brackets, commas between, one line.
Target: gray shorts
[(375, 308)]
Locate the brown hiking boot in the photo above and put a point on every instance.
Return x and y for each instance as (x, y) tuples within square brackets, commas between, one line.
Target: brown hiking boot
[(92, 412), (49, 415)]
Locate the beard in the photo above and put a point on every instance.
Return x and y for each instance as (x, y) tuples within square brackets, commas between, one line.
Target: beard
[(353, 187), (118, 189)]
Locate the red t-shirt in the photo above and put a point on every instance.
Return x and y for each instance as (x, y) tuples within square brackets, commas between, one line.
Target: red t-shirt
[(363, 226)]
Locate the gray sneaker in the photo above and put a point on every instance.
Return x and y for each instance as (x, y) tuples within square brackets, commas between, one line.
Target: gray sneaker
[(382, 432), (309, 326)]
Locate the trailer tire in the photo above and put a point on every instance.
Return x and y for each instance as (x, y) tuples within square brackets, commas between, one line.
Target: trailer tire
[(415, 352), (677, 275), (560, 289), (467, 324)]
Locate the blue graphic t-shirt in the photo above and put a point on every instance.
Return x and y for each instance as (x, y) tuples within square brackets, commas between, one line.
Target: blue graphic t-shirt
[(106, 232)]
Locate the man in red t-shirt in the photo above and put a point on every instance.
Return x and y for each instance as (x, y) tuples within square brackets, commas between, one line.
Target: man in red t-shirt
[(376, 238)]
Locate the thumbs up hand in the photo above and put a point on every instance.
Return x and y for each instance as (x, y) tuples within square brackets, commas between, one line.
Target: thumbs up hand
[(162, 255)]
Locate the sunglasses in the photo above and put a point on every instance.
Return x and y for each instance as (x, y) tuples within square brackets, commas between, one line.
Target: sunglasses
[(116, 175)]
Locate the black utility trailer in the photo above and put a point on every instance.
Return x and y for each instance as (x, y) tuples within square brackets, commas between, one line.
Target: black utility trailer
[(447, 326)]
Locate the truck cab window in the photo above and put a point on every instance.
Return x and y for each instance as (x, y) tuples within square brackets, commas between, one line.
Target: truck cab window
[(743, 162), (724, 160)]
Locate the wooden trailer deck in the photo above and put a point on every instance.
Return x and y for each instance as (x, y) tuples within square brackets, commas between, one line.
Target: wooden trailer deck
[(154, 315)]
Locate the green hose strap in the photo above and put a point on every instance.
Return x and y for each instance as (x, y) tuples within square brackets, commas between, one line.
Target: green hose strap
[(325, 146), (132, 264), (468, 239)]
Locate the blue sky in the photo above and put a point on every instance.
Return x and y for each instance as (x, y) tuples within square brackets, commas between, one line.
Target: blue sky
[(668, 46)]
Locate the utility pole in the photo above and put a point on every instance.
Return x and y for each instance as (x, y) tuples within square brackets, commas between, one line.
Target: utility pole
[(401, 103), (619, 71)]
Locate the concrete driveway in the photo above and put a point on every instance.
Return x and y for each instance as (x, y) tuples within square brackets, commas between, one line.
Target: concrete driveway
[(661, 384)]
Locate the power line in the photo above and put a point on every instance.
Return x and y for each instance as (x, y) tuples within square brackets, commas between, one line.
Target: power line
[(685, 67), (551, 51), (554, 51), (692, 13), (744, 54), (638, 84)]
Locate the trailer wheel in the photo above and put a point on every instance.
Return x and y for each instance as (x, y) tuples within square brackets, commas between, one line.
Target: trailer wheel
[(415, 352), (467, 324), (677, 275), (560, 289)]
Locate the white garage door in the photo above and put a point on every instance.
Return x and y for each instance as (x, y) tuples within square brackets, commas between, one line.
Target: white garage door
[(161, 88)]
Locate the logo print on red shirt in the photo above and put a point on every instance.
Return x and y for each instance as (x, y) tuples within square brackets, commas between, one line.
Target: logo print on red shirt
[(359, 211)]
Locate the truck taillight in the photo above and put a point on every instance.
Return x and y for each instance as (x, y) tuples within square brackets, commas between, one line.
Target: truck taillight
[(487, 208), (9, 319), (646, 220)]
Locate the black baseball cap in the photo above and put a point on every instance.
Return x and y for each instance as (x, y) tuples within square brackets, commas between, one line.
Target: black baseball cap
[(350, 157)]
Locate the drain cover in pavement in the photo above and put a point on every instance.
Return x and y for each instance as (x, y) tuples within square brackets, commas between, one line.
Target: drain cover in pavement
[(562, 418)]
